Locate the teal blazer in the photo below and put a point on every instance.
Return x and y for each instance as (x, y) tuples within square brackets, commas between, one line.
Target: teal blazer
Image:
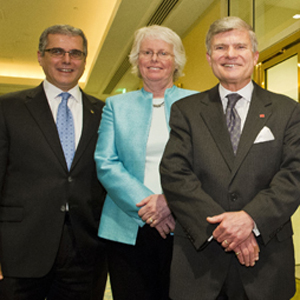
[(120, 159)]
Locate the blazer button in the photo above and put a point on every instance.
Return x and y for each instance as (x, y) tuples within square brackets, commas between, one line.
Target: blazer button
[(63, 208), (234, 197), (70, 179)]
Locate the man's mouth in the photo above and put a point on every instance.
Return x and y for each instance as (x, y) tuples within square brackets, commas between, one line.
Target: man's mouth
[(230, 65), (65, 70)]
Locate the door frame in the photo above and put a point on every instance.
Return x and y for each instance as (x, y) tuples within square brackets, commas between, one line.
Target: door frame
[(275, 55)]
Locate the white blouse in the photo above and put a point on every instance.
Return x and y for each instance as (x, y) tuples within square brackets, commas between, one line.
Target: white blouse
[(158, 137)]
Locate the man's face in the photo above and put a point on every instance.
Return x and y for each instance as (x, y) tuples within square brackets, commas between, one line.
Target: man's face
[(63, 72), (232, 59)]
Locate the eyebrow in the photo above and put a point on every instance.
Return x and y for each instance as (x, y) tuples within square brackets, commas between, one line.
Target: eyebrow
[(226, 45)]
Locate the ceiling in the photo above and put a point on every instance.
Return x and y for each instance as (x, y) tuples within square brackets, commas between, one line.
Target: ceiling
[(109, 26)]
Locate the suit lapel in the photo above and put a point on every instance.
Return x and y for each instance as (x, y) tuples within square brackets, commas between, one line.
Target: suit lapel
[(137, 130), (259, 111), (38, 107), (91, 116), (213, 116)]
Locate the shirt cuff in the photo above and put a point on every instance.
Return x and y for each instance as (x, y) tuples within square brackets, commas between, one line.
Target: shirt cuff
[(255, 230)]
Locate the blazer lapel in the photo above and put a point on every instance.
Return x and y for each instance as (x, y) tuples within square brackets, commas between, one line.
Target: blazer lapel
[(138, 133), (213, 116), (38, 107), (259, 111), (91, 116)]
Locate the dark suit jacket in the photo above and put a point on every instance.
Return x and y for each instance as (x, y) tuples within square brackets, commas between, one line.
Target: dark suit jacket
[(36, 184), (201, 177)]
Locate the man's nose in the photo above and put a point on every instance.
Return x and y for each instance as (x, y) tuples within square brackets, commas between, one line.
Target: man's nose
[(66, 58), (231, 52)]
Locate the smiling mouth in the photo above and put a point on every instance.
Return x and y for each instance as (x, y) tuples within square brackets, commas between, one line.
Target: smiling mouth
[(230, 65), (154, 68), (65, 70)]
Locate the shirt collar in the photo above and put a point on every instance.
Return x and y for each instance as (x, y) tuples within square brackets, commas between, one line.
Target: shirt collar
[(52, 91), (245, 92)]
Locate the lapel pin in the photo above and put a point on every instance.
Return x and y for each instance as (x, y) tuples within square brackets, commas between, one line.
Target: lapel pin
[(262, 116), (92, 111)]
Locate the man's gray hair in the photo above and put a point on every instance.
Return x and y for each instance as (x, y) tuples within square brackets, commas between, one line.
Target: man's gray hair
[(64, 30), (228, 24)]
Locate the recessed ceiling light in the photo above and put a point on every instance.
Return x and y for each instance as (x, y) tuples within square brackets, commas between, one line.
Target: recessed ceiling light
[(297, 16)]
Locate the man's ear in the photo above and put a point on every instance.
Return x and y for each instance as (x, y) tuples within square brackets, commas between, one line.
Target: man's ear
[(256, 56), (208, 58), (39, 57)]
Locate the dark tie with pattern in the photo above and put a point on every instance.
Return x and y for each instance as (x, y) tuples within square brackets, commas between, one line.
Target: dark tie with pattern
[(233, 120), (65, 127)]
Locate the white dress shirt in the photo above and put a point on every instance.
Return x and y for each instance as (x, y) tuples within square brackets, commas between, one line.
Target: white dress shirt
[(242, 106), (74, 103)]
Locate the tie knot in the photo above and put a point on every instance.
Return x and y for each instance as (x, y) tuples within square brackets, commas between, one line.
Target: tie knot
[(233, 99), (65, 96)]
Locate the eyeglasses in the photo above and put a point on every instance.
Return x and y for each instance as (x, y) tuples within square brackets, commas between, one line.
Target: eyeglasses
[(59, 53), (162, 55)]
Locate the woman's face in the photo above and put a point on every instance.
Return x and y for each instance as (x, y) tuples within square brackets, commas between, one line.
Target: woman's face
[(156, 68)]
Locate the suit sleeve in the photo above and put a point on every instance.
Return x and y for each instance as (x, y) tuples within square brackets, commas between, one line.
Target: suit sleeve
[(182, 188), (272, 207), (122, 187), (3, 148), (4, 144)]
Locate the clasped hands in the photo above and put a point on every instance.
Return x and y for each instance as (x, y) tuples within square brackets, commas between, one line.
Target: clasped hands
[(155, 212), (234, 233)]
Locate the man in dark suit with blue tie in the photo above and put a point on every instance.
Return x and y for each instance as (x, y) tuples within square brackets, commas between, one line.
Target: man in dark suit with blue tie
[(231, 176), (50, 198)]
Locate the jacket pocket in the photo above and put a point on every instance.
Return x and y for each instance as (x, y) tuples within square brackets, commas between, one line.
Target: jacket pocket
[(11, 214), (284, 232)]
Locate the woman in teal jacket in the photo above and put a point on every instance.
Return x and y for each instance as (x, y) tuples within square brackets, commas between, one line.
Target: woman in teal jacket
[(136, 221)]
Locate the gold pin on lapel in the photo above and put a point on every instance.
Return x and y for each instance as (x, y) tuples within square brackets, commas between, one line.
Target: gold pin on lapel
[(92, 111)]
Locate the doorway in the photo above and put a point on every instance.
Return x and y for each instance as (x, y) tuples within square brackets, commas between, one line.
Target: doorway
[(278, 70)]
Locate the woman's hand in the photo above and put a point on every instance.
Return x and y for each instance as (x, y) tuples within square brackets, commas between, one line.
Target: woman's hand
[(166, 226), (154, 209)]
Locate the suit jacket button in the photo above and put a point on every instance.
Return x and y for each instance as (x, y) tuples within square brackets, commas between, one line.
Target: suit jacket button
[(63, 208), (70, 179), (234, 197)]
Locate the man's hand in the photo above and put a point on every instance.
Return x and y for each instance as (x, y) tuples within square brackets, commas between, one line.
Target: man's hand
[(234, 228), (248, 251), (1, 275), (154, 209)]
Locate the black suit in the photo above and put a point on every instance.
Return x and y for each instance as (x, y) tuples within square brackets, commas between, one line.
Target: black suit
[(36, 184), (201, 177)]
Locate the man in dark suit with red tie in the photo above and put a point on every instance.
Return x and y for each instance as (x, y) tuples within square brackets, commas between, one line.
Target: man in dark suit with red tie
[(50, 198), (231, 176)]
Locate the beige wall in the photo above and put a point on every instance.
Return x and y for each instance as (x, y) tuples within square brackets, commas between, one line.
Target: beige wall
[(198, 74)]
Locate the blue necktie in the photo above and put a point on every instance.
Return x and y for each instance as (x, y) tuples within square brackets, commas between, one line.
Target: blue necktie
[(65, 127), (233, 120)]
